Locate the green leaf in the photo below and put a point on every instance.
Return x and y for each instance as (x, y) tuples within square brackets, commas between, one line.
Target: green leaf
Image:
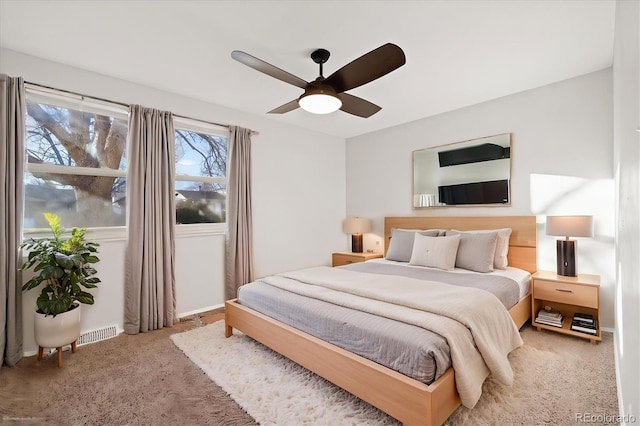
[(68, 280), (54, 223), (84, 297), (54, 306), (88, 271), (51, 271), (77, 260), (63, 260), (32, 283), (26, 265), (41, 266), (92, 259), (48, 289)]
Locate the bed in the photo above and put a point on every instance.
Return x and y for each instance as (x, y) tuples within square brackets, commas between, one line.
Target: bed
[(409, 400)]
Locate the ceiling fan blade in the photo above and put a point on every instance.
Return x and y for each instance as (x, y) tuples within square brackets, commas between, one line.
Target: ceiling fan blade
[(358, 106), (267, 68), (289, 106), (367, 67)]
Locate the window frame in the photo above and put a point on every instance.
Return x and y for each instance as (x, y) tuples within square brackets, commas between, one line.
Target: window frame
[(198, 126), (69, 100)]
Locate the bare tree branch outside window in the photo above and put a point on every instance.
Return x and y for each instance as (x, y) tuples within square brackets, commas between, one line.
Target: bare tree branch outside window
[(200, 154), (66, 137), (60, 136)]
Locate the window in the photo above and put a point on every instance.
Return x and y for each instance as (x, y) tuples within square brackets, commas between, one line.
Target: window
[(76, 160), (201, 169), (77, 165)]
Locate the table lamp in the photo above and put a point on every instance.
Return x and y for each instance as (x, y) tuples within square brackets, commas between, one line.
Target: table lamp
[(356, 226), (568, 226)]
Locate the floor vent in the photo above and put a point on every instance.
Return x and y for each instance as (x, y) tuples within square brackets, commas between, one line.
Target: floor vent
[(97, 335)]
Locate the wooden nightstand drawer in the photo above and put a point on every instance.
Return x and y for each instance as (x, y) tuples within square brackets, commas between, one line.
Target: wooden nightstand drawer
[(570, 294), (346, 258)]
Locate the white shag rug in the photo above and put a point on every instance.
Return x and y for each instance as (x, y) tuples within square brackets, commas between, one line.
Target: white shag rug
[(270, 388), (556, 378)]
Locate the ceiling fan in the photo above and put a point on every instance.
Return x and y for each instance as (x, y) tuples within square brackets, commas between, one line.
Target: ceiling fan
[(325, 95)]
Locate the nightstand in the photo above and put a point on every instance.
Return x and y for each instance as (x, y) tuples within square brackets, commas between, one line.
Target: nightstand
[(568, 295), (347, 257)]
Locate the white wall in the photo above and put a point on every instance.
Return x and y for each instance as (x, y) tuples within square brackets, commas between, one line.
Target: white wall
[(298, 196), (626, 95), (561, 162), (199, 277)]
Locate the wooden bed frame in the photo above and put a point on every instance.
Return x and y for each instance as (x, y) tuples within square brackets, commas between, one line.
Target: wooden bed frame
[(403, 398)]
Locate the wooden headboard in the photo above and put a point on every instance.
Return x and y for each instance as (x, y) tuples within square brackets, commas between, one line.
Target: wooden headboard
[(522, 244)]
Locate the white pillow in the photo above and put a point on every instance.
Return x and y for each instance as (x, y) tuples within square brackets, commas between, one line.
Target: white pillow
[(502, 245), (435, 252), (401, 242)]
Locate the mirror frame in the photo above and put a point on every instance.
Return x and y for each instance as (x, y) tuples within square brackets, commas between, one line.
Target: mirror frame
[(452, 146)]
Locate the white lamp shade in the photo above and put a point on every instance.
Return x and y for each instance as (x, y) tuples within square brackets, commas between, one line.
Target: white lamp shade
[(319, 103), (570, 226), (356, 225)]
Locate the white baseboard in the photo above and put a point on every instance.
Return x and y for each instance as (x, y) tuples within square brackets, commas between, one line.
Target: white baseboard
[(200, 310), (120, 331)]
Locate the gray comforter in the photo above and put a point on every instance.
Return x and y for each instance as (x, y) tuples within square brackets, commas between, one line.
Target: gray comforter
[(408, 349)]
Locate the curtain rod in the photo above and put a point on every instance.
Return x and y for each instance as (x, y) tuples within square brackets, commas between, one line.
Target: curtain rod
[(124, 104)]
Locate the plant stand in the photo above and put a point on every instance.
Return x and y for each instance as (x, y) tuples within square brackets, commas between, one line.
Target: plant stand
[(74, 348), (57, 331)]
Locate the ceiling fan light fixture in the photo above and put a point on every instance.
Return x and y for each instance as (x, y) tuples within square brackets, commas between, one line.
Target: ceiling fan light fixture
[(319, 102), (326, 95)]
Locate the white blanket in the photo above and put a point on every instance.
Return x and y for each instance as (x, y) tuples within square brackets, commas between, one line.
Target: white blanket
[(477, 327)]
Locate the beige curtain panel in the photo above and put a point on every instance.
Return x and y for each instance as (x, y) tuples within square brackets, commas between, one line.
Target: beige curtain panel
[(239, 262), (150, 300), (12, 158)]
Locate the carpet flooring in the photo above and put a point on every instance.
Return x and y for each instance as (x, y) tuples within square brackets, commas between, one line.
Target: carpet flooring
[(127, 380), (146, 380)]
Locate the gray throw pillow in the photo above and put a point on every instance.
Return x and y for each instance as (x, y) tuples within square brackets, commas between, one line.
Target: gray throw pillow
[(401, 243), (500, 260), (476, 251)]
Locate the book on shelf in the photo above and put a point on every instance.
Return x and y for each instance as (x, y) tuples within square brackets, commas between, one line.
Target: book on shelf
[(583, 318), (557, 320), (576, 322), (551, 323), (585, 328), (549, 318), (549, 312)]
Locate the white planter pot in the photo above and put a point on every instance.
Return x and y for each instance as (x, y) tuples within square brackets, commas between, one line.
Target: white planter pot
[(55, 332)]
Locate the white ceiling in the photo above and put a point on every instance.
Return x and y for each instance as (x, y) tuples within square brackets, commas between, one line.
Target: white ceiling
[(458, 53)]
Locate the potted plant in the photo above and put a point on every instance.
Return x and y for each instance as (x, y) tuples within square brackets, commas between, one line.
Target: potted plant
[(64, 267)]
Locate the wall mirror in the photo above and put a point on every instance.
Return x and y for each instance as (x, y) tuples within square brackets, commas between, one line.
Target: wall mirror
[(473, 172)]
